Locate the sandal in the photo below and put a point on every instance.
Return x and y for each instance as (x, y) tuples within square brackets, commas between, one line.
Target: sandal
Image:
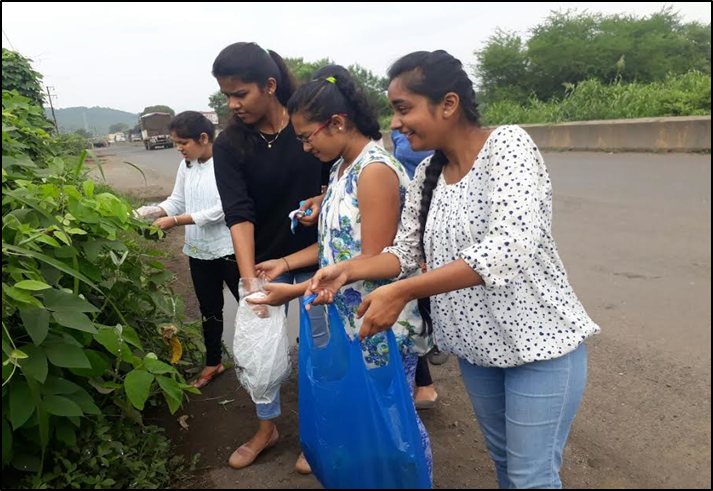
[(245, 456), (204, 380)]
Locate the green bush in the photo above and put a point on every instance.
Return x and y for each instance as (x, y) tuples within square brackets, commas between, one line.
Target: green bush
[(90, 324), (678, 95)]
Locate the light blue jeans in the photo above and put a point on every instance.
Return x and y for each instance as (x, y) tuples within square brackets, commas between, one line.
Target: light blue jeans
[(319, 330), (525, 414)]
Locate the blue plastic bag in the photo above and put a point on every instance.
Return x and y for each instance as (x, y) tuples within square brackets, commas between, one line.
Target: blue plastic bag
[(358, 426)]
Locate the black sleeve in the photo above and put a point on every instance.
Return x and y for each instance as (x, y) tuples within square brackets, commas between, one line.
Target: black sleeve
[(232, 186)]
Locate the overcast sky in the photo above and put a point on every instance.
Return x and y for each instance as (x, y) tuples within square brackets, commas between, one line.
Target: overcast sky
[(131, 55)]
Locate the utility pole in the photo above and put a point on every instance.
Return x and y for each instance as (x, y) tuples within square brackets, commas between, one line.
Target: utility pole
[(49, 98)]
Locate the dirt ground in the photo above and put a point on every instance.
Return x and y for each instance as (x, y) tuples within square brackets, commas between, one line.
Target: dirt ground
[(644, 422)]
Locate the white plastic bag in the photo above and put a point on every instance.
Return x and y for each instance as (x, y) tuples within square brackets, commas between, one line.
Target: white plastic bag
[(260, 346)]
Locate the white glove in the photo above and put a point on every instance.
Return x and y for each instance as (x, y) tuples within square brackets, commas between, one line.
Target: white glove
[(148, 212)]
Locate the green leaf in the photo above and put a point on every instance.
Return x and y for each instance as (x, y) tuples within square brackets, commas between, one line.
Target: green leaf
[(137, 385), (61, 406), (86, 402), (21, 296), (158, 367), (99, 363), (21, 405), (43, 418), (109, 338), (75, 320), (46, 239), (59, 386), (131, 336), (26, 463), (32, 285), (18, 354), (51, 261), (65, 433), (67, 355), (92, 249), (36, 322), (88, 186), (170, 388), (35, 365), (61, 301), (63, 237)]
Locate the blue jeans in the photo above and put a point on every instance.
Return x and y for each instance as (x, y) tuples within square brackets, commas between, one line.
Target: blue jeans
[(525, 414), (320, 332)]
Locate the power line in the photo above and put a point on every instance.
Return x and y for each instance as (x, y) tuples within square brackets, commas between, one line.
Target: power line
[(8, 40)]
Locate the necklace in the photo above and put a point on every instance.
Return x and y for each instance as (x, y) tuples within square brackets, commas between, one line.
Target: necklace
[(270, 142)]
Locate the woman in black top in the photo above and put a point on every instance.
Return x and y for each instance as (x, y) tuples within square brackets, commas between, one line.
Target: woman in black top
[(263, 174)]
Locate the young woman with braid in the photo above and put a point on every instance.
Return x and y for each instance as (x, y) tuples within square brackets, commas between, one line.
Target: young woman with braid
[(479, 213)]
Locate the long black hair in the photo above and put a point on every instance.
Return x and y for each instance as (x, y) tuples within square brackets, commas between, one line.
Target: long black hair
[(252, 64), (434, 74), (334, 91)]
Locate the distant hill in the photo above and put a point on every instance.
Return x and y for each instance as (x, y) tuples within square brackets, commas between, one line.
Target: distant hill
[(98, 119)]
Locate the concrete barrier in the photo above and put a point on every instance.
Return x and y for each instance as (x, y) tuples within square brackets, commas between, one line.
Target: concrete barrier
[(675, 134)]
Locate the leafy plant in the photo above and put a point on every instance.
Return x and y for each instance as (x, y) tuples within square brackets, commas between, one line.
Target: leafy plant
[(90, 325)]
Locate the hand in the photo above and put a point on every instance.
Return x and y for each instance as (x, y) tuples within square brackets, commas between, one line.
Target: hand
[(248, 286), (270, 270), (381, 309), (165, 223), (276, 294), (311, 207), (326, 283), (149, 212)]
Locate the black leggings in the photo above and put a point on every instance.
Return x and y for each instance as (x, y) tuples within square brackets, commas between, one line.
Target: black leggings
[(423, 373), (208, 277)]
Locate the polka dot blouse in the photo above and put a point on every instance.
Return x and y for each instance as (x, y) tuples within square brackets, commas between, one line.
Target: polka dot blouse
[(498, 219)]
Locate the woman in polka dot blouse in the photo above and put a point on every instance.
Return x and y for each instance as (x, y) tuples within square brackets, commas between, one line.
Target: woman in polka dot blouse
[(479, 213)]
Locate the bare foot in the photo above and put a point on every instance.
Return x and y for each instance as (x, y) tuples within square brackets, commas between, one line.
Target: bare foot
[(302, 466)]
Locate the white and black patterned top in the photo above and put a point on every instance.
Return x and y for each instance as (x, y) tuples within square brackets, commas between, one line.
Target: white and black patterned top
[(498, 219)]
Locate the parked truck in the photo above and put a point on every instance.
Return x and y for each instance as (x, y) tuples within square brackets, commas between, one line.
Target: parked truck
[(155, 130)]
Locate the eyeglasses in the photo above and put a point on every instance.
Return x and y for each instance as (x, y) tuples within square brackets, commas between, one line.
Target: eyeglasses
[(308, 140)]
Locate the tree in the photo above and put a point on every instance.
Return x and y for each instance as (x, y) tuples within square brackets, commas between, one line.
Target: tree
[(158, 109), (118, 128), (569, 47), (83, 133), (218, 102), (375, 88), (502, 68), (17, 74), (303, 70)]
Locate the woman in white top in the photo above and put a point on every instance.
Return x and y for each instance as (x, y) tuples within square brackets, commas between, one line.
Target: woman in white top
[(479, 213), (195, 204)]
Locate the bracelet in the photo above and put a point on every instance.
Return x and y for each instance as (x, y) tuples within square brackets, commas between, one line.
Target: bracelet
[(288, 265), (175, 219)]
